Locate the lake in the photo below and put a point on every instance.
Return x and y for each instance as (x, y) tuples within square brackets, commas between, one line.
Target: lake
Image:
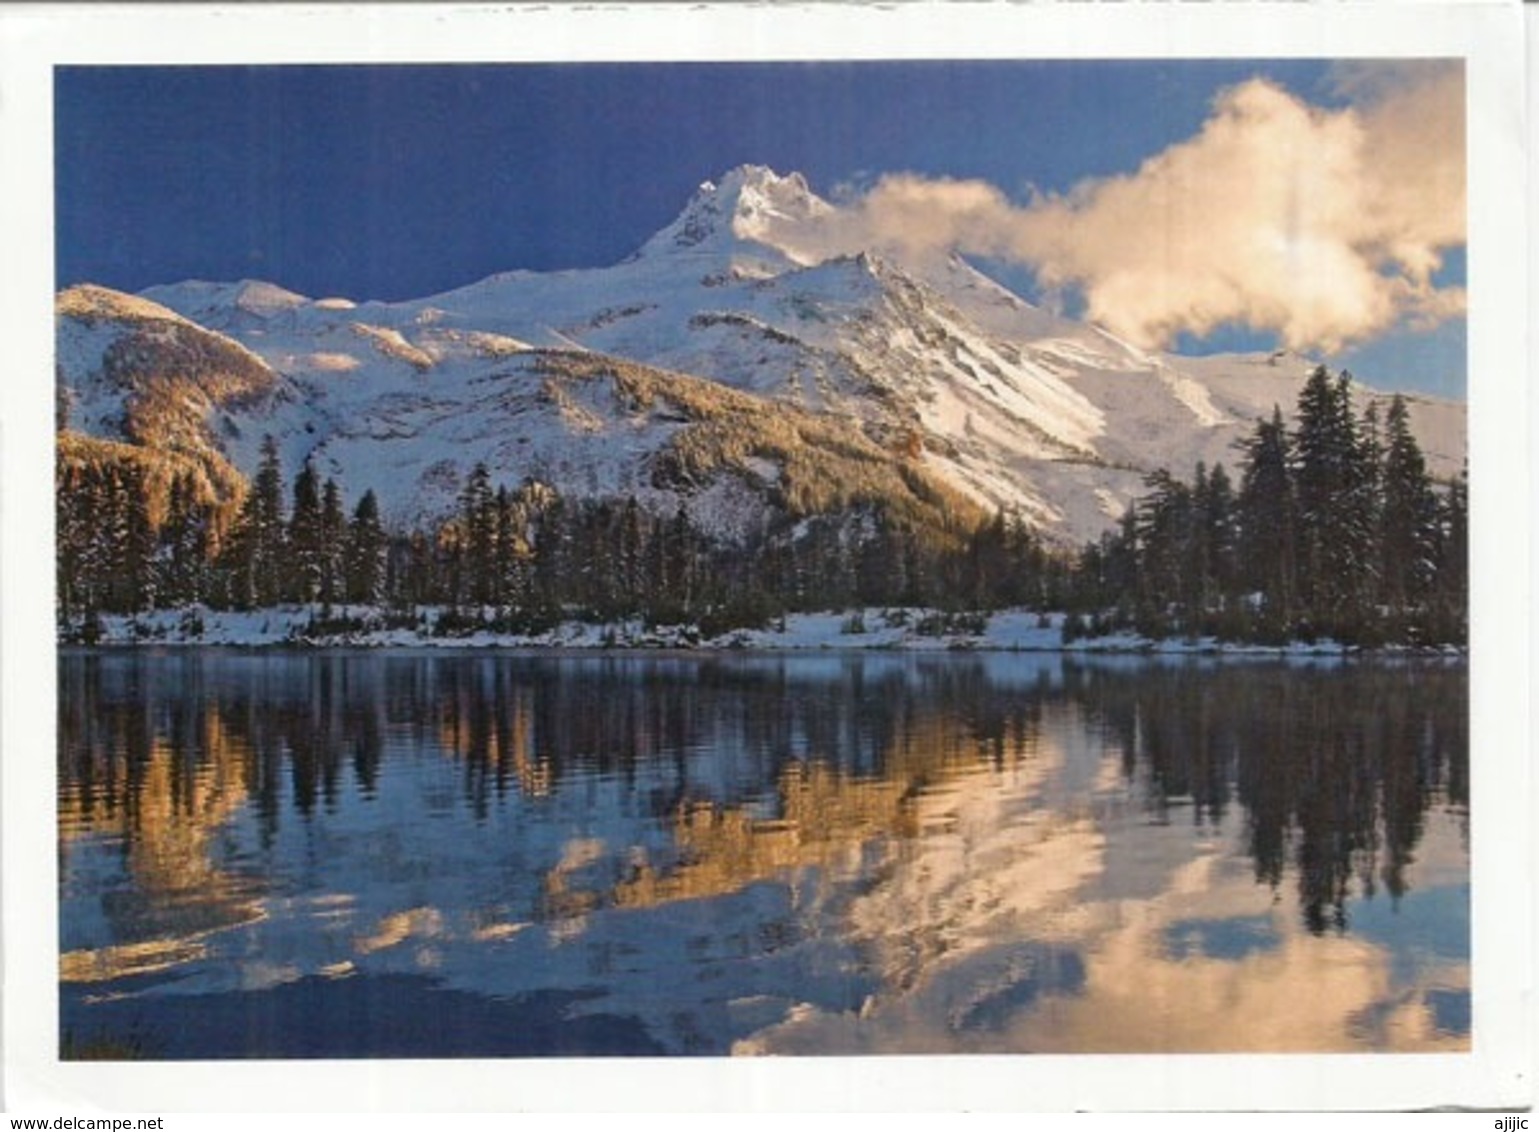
[(453, 854)]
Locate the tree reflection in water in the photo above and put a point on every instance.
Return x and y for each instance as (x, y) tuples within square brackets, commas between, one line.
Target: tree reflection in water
[(235, 789), (1334, 769)]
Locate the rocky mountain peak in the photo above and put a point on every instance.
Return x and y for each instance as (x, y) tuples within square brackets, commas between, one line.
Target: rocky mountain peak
[(748, 213)]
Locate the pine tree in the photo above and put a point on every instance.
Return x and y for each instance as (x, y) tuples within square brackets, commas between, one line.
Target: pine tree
[(989, 562), (1215, 503), (185, 545), (512, 554), (1364, 515), (169, 564), (333, 544), (1409, 533), (1334, 489), (255, 557), (1164, 526), (1266, 525), (478, 537), (365, 555), (74, 507), (552, 558), (1115, 569), (594, 536), (630, 558), (132, 546), (1450, 596), (306, 543), (420, 583), (680, 553)]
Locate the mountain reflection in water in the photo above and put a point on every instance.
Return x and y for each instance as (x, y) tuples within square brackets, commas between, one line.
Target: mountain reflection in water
[(484, 855)]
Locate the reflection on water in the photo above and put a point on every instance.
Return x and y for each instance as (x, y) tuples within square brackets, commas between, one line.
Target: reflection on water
[(443, 855)]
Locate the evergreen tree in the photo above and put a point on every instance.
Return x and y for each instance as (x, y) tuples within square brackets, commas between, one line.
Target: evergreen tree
[(478, 521), (1113, 570), (110, 540), (306, 538), (1364, 516), (630, 558), (1333, 484), (365, 556), (1266, 522), (593, 540), (130, 542), (513, 554), (990, 563), (169, 563), (1165, 523), (334, 529), (420, 583), (1450, 596), (185, 541), (681, 550), (255, 557), (74, 507), (552, 558), (1217, 538), (1409, 533)]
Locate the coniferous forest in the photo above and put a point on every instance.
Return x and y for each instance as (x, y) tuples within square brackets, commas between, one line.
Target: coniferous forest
[(1329, 527)]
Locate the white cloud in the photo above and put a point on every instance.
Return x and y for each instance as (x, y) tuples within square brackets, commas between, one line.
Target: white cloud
[(1324, 226)]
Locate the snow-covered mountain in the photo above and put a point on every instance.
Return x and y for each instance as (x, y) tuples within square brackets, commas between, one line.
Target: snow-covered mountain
[(928, 378)]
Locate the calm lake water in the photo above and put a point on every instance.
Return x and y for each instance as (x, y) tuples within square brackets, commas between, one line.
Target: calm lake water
[(437, 855)]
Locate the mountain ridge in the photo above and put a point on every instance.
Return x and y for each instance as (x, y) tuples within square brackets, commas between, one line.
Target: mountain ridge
[(934, 363)]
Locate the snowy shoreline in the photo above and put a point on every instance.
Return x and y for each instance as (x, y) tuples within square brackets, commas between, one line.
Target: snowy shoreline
[(875, 629)]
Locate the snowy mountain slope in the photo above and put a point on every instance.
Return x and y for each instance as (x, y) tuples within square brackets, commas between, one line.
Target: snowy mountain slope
[(407, 414), (131, 370), (932, 363), (601, 427), (1246, 386)]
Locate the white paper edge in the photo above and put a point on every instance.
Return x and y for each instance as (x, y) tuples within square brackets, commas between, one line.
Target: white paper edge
[(1498, 1074)]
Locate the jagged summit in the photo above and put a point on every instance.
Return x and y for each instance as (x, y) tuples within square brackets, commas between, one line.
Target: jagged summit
[(746, 217)]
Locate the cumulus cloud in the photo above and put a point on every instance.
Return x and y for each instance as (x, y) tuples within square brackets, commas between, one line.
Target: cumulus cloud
[(1323, 225)]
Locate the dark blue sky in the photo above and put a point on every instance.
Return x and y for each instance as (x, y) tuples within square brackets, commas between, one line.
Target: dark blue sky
[(395, 181)]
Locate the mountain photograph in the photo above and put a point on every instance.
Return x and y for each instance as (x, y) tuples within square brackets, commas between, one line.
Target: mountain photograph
[(627, 560)]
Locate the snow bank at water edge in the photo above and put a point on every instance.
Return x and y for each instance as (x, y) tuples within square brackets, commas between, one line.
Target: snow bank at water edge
[(863, 629)]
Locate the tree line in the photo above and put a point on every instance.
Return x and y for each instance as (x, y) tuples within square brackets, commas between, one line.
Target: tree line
[(123, 547), (510, 558), (1335, 528)]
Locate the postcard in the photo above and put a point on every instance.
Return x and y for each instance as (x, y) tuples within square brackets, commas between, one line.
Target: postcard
[(937, 557)]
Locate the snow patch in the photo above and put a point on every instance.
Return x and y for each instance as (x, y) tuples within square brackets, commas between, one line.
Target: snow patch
[(867, 629), (1194, 396)]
